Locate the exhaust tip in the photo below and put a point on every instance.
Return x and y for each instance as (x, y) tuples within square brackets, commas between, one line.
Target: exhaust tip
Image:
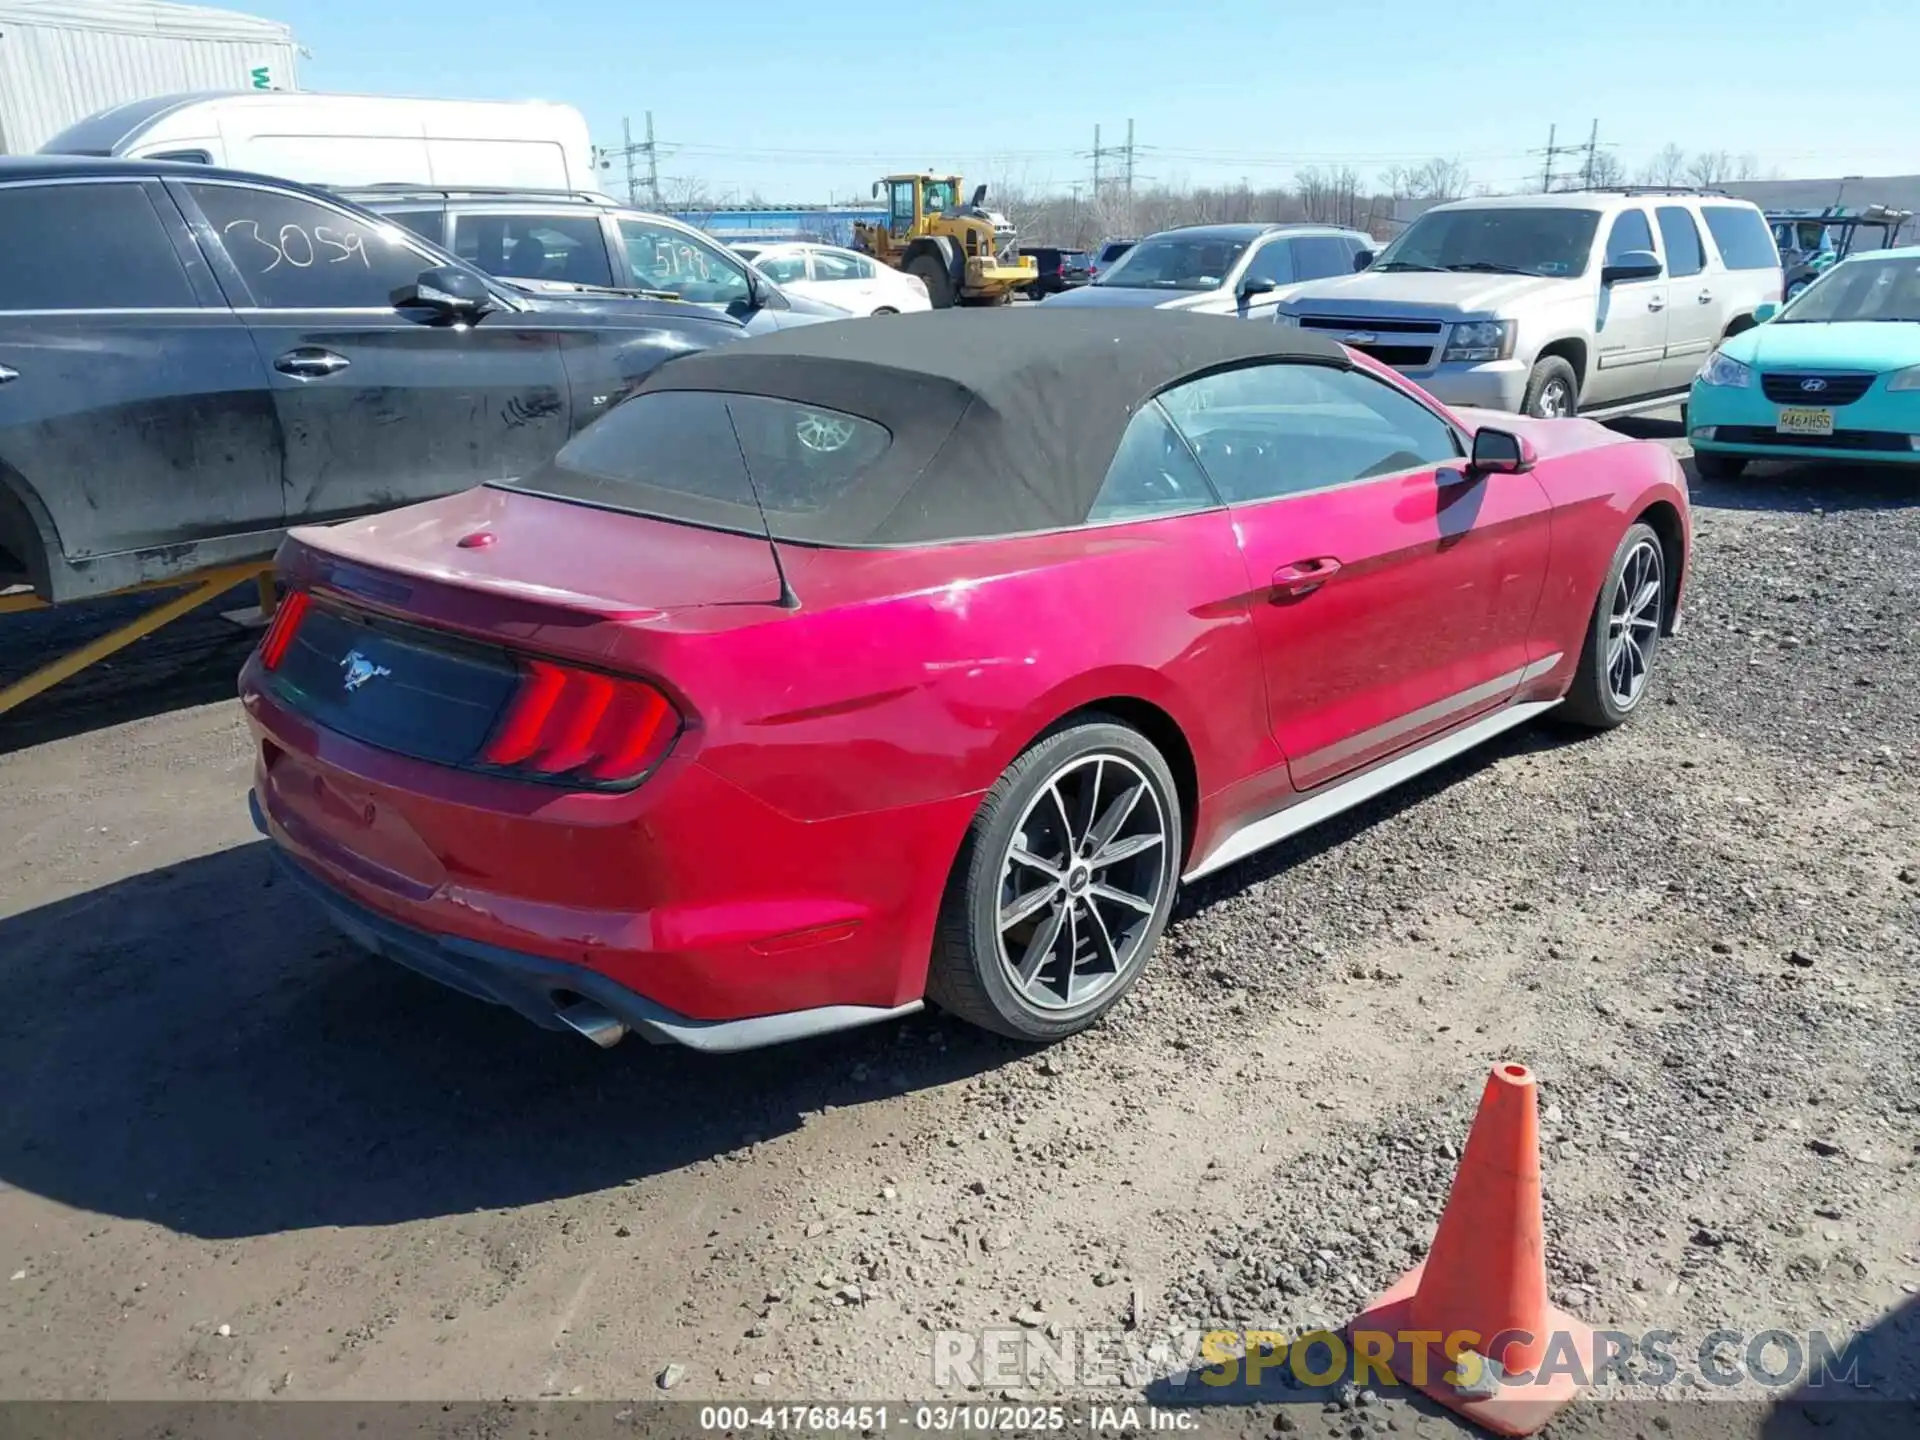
[(588, 1019)]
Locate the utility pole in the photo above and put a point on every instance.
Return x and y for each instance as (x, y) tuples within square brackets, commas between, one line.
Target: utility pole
[(1593, 144), (653, 164), (628, 151), (1553, 152), (1125, 154)]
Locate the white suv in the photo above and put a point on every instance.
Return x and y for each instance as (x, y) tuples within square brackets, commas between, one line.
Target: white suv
[(1593, 302)]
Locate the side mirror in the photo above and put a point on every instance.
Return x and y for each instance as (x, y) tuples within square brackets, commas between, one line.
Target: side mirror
[(1362, 259), (1764, 312), (876, 189), (979, 197), (1500, 452), (449, 292), (1256, 285), (1631, 265)]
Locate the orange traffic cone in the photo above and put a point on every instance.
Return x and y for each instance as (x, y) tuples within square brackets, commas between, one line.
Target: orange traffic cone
[(1471, 1325)]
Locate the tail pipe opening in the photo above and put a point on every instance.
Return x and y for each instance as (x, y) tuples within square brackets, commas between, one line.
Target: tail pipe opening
[(597, 1024)]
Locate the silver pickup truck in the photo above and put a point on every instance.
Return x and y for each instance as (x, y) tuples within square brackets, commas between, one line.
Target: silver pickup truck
[(1600, 303)]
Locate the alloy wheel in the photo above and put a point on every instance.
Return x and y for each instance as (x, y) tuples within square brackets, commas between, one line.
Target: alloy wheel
[(1555, 400), (1633, 623), (1081, 881)]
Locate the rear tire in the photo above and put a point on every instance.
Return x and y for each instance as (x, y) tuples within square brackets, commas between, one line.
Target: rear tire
[(1039, 935), (1616, 663), (1718, 467), (931, 273), (1553, 390)]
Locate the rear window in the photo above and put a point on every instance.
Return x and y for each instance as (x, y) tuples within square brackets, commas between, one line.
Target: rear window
[(699, 456), (87, 247), (1741, 236)]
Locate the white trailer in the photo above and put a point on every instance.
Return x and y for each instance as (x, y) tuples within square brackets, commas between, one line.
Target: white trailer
[(62, 60), (351, 139)]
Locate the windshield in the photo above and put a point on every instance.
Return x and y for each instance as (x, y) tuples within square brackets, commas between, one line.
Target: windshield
[(1865, 290), (1501, 240), (1175, 264)]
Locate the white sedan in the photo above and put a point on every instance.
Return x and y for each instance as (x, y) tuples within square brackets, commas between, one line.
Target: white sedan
[(856, 283)]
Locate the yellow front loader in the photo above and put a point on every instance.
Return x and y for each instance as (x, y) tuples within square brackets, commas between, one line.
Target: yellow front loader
[(963, 254)]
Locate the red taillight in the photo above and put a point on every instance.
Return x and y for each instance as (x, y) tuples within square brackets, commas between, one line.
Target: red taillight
[(564, 721), (286, 619)]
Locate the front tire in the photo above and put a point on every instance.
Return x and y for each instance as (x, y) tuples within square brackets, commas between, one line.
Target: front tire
[(1616, 662), (886, 310), (1718, 467), (1062, 887), (933, 273), (1553, 390)]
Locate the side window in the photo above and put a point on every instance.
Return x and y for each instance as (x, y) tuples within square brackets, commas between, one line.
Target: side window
[(571, 249), (1153, 473), (1682, 237), (1316, 257), (1741, 236), (185, 157), (295, 254), (87, 247), (664, 258), (829, 266), (427, 224), (783, 269), (1630, 232), (1272, 261), (1269, 430)]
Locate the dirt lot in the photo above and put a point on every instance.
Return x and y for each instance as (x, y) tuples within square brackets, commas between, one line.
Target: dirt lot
[(240, 1160)]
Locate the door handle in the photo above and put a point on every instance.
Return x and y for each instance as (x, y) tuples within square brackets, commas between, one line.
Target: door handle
[(1303, 577), (7, 372), (1706, 296), (310, 364), (1656, 302)]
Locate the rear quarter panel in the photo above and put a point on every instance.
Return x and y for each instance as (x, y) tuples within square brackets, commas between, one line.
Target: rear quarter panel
[(1599, 482), (913, 676)]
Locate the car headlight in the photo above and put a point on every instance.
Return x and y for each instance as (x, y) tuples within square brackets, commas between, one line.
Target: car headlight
[(1476, 340), (1908, 379), (1280, 317), (1722, 369)]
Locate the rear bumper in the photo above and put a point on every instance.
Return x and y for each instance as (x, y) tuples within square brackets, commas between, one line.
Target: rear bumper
[(538, 988)]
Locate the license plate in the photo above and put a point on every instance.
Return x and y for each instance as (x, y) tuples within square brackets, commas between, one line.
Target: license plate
[(1805, 421)]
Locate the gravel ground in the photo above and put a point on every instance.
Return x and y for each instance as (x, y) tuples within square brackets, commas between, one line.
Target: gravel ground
[(240, 1160)]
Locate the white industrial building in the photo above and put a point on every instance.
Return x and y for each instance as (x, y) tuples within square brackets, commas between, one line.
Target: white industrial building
[(62, 60)]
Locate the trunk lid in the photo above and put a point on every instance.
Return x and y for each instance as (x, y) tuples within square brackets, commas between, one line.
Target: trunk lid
[(533, 550)]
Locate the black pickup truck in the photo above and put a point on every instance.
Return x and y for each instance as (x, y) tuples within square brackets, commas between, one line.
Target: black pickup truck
[(194, 359)]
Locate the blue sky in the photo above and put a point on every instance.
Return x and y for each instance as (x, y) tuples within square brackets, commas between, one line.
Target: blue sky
[(811, 101)]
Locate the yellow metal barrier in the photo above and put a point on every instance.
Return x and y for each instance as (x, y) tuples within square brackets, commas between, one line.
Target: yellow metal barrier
[(205, 585)]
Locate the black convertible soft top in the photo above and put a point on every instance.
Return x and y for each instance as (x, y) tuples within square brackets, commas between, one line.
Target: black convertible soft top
[(1002, 421)]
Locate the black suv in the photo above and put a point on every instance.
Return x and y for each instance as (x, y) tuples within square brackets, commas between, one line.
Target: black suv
[(1059, 269), (559, 241), (194, 359)]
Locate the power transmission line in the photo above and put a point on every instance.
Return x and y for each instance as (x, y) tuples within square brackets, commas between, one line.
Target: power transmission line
[(1125, 153), (629, 152)]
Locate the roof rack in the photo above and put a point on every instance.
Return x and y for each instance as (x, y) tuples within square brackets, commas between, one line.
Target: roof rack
[(1659, 190), (398, 188)]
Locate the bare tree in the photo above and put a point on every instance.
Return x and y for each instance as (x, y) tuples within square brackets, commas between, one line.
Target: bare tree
[(1747, 167), (1666, 168), (1710, 168), (1437, 179), (1608, 170)]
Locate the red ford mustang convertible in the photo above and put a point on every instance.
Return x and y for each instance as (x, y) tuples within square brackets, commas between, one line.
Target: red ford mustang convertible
[(921, 659)]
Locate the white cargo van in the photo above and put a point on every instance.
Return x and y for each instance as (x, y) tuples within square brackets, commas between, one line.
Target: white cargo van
[(349, 139)]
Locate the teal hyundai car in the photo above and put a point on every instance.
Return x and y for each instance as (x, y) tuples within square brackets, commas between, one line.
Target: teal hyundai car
[(1833, 376)]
